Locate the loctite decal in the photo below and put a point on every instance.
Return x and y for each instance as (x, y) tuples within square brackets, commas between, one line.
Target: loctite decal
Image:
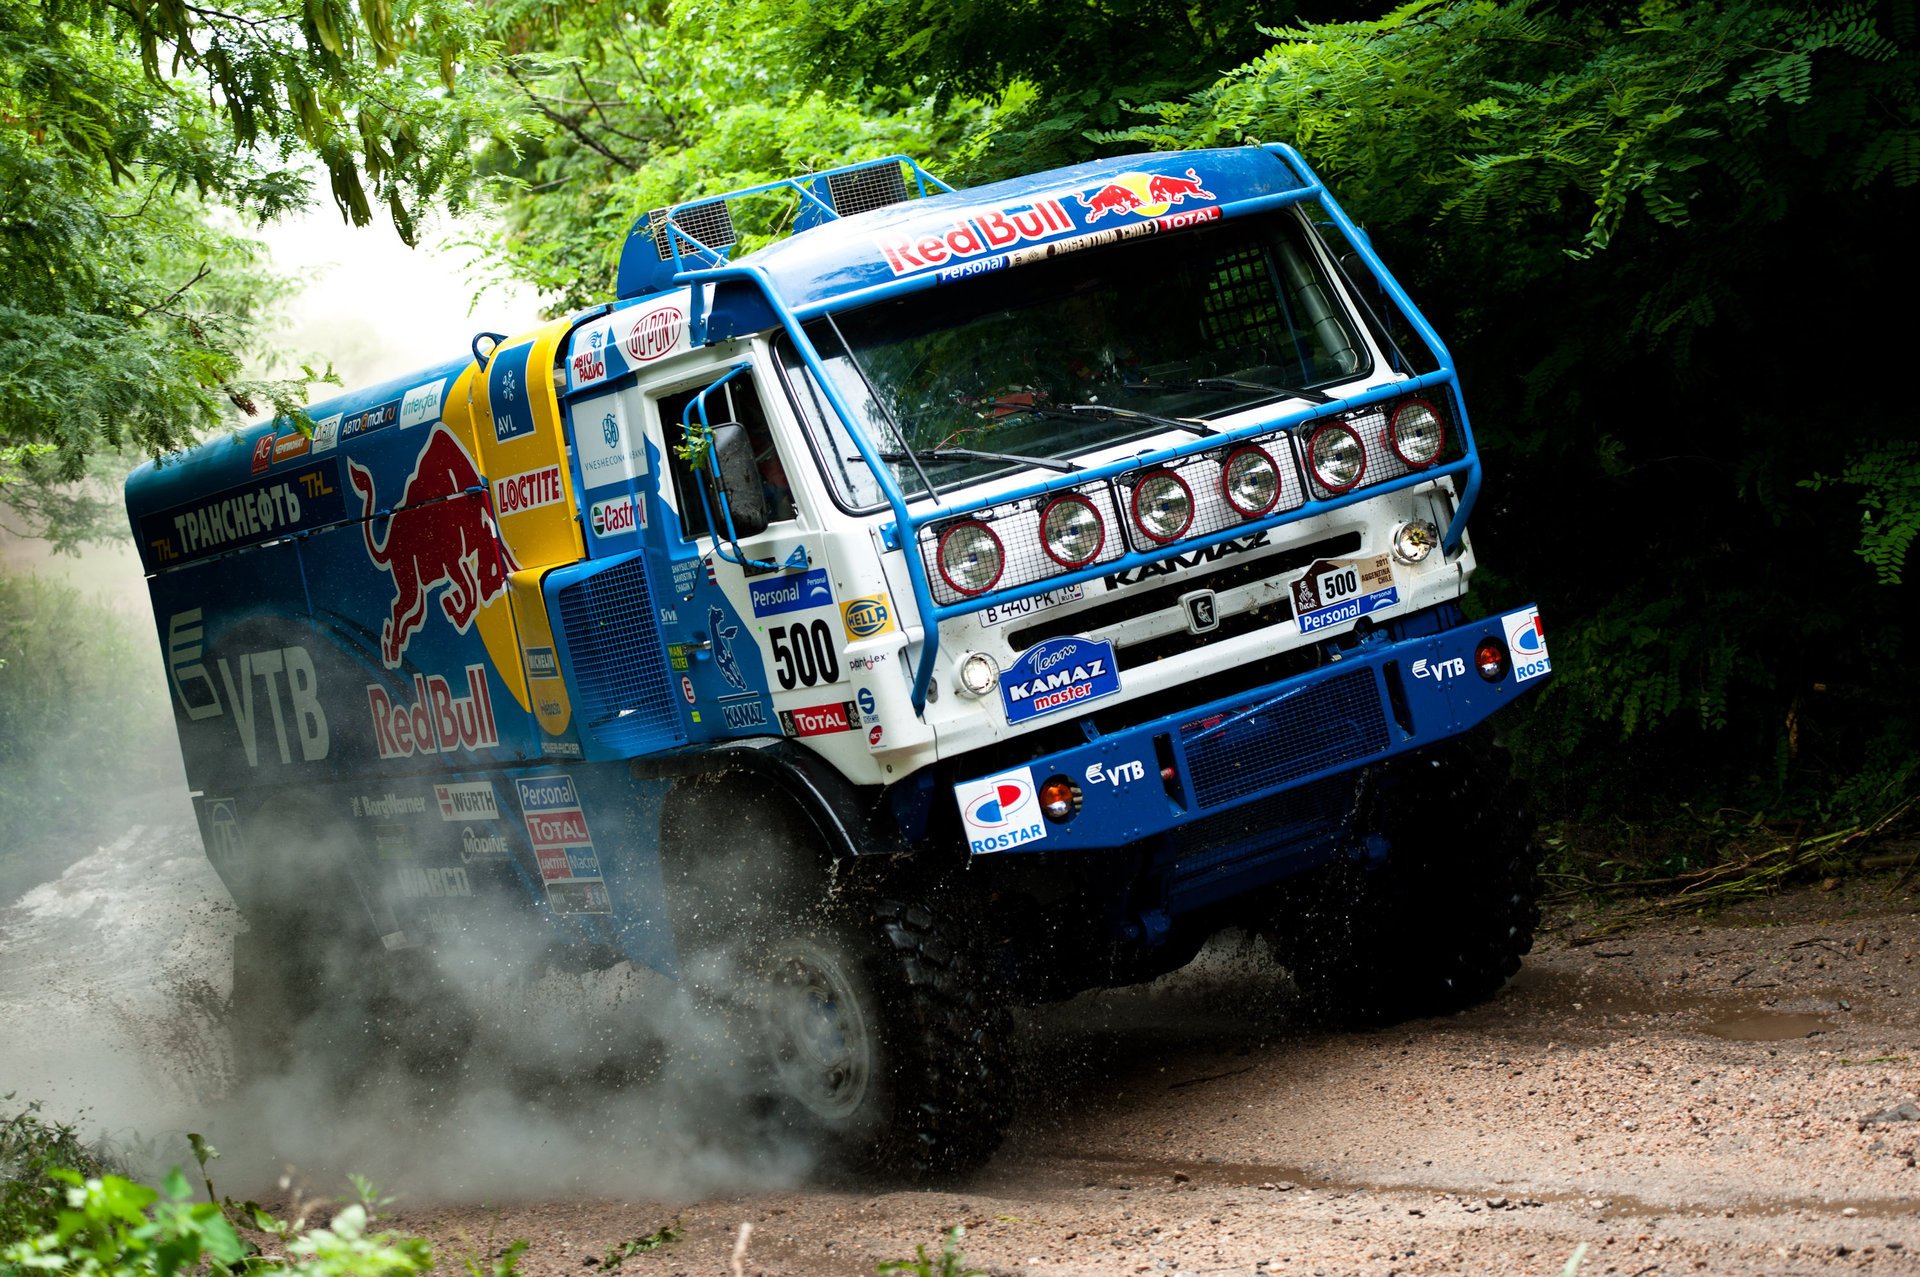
[(518, 493)]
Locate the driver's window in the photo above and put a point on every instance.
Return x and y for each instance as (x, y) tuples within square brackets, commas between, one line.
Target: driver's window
[(738, 400)]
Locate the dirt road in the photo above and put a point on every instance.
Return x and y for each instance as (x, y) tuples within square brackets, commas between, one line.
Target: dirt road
[(1681, 1097)]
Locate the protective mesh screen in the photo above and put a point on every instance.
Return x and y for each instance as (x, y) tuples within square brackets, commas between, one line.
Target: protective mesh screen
[(1238, 753), (875, 186), (710, 223), (1383, 463), (619, 666), (1017, 524), (1204, 473)]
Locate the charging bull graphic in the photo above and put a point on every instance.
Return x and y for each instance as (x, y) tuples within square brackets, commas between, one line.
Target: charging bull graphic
[(1149, 195), (441, 533)]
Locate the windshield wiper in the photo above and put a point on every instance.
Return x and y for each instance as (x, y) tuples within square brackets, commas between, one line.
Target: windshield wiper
[(1231, 383), (974, 454), (1101, 412)]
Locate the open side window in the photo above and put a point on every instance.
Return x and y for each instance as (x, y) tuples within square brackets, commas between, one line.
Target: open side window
[(738, 400)]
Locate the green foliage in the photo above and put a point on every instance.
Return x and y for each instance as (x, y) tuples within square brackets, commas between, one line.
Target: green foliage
[(32, 1151), (948, 1263), (1889, 474), (664, 1235)]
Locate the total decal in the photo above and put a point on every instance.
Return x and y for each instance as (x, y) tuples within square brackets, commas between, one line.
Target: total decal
[(1337, 591), (989, 239), (279, 680), (436, 536), (1527, 644), (562, 844), (1001, 812), (1056, 674), (820, 720)]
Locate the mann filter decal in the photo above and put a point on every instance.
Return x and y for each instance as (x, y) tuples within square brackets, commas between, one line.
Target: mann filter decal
[(1000, 812), (1337, 591), (562, 845), (1057, 674)]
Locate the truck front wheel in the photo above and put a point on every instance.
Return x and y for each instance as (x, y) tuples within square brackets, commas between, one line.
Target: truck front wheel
[(1440, 924)]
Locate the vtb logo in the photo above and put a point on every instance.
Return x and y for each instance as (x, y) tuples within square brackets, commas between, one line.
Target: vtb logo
[(440, 533)]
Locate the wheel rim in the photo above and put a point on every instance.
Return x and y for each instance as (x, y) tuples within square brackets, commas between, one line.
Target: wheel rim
[(823, 1045)]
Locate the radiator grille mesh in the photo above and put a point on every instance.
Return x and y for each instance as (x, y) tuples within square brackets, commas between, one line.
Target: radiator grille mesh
[(1332, 722), (619, 666)]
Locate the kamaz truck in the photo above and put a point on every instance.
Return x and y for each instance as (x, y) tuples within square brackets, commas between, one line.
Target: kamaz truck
[(964, 599)]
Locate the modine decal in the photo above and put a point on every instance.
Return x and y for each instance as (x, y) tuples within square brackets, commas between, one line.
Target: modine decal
[(1000, 812), (1056, 674), (1336, 591), (562, 844), (1527, 643), (437, 722)]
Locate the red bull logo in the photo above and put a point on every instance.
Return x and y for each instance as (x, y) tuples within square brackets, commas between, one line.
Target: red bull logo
[(974, 235), (437, 722), (1142, 194), (440, 534)]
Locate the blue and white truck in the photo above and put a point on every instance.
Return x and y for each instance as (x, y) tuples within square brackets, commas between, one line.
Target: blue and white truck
[(967, 598)]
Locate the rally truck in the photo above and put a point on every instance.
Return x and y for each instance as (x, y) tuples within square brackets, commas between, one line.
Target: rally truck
[(965, 598)]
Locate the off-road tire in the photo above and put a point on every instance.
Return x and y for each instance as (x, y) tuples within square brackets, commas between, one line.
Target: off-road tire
[(1444, 922)]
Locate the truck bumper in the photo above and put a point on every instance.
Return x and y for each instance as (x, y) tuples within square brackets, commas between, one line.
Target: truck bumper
[(1384, 697)]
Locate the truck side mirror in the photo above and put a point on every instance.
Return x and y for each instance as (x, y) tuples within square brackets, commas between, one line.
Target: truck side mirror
[(739, 476)]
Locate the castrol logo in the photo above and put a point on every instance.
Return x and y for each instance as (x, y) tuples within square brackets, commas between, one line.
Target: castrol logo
[(655, 333)]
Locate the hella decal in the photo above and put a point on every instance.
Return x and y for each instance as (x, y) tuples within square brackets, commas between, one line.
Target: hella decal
[(518, 493), (437, 722), (866, 617), (1000, 812), (1056, 674)]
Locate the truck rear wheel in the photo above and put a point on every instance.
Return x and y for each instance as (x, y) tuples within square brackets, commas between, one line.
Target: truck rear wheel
[(874, 1033), (1444, 922)]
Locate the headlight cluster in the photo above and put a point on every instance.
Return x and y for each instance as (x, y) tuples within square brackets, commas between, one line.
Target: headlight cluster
[(1021, 542)]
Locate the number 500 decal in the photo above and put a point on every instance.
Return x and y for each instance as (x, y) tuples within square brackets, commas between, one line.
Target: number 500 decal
[(803, 655)]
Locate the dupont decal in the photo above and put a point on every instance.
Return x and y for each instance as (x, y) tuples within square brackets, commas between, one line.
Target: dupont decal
[(304, 497), (280, 681), (421, 882), (655, 334), (1336, 591), (437, 721), (509, 393), (609, 448), (1527, 642), (868, 616), (421, 405), (1142, 195), (820, 720), (1014, 609), (435, 536), (974, 235), (1000, 812), (790, 593), (472, 800), (518, 493), (562, 845), (1056, 674), (611, 518)]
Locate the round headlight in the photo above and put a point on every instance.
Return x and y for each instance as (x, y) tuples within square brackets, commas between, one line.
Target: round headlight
[(977, 674), (1071, 531), (1414, 540), (971, 557), (1416, 433), (1336, 456), (1251, 481), (1162, 505)]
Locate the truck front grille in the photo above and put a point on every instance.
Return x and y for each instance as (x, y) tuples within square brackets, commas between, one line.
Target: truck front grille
[(1332, 722), (613, 638)]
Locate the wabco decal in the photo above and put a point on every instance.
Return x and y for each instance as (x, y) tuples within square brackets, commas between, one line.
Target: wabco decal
[(1191, 559), (437, 722), (1056, 674), (1142, 194), (200, 697), (471, 800), (562, 845), (1335, 591), (1527, 642), (1000, 812), (518, 493), (790, 593), (974, 235), (432, 541)]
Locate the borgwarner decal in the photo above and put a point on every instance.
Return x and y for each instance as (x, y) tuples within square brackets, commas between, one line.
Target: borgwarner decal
[(1056, 674), (433, 541), (562, 844), (1000, 812), (1527, 642), (1335, 591)]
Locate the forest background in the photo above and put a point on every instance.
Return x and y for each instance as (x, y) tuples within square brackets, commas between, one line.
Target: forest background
[(1662, 239)]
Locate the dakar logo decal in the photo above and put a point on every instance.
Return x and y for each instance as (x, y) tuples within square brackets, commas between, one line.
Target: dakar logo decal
[(440, 533)]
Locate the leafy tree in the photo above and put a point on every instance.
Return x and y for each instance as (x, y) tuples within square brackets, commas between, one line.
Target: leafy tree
[(1659, 236), (136, 140)]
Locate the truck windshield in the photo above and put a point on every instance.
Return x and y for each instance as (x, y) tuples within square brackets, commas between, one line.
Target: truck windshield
[(1060, 358)]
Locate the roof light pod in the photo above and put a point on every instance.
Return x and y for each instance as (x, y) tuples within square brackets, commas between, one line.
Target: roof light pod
[(1071, 531), (1250, 481), (1416, 433), (1163, 505), (1336, 456), (971, 557)]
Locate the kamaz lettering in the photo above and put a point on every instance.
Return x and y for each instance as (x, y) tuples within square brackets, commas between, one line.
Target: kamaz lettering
[(1059, 678), (437, 722), (1191, 559)]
